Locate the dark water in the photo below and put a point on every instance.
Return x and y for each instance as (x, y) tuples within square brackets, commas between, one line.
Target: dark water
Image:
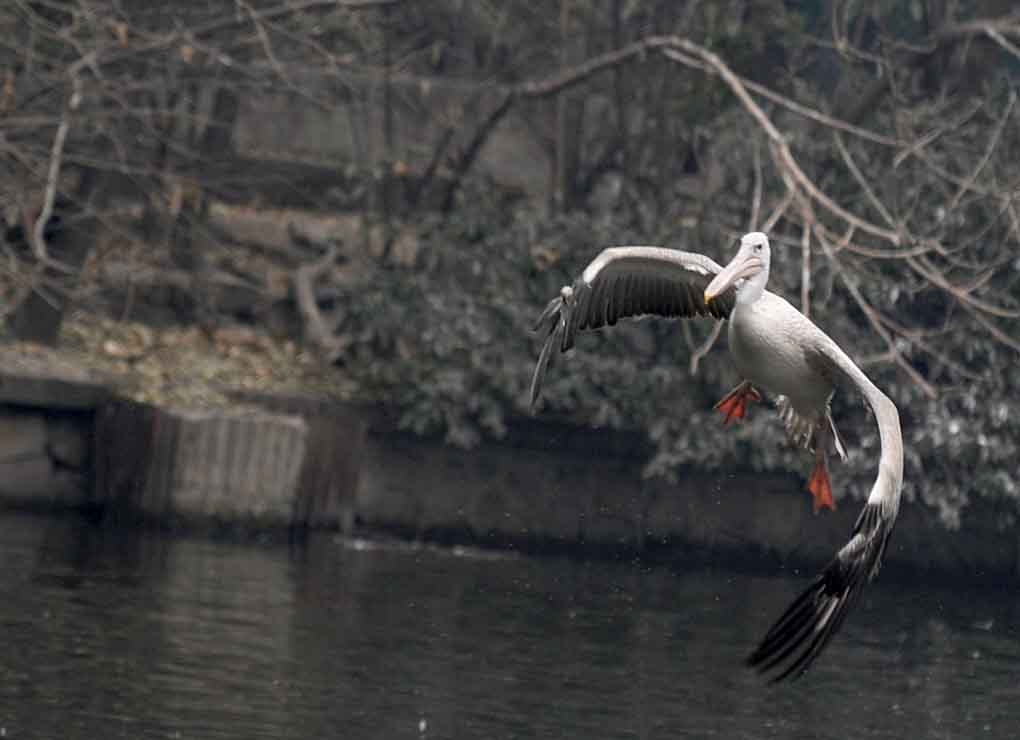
[(109, 636)]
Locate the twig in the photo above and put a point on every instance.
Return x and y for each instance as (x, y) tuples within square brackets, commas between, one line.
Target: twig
[(923, 268), (993, 143), (756, 193), (917, 337), (923, 246), (705, 347), (957, 180), (1014, 220), (778, 212), (669, 45), (467, 157), (785, 158), (993, 329), (1004, 24), (817, 116), (874, 318), (1001, 40), (38, 238), (805, 260), (851, 165), (267, 46), (931, 136)]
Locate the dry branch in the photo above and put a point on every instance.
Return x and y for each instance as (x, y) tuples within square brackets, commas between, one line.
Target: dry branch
[(993, 143), (805, 259), (705, 347), (37, 238), (784, 159), (317, 330), (874, 318)]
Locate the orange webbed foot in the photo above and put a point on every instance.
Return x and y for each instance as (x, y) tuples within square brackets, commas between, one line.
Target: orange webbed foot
[(821, 488), (734, 404)]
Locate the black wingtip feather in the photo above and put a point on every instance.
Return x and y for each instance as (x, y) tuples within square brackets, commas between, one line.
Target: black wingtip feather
[(551, 341), (807, 626), (552, 309)]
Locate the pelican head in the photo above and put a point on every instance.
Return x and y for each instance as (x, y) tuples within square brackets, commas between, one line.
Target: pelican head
[(751, 263)]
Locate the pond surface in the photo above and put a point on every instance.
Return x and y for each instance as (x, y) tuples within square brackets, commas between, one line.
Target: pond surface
[(108, 635)]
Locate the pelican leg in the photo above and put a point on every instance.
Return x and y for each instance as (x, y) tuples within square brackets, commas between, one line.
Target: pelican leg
[(734, 403), (819, 484)]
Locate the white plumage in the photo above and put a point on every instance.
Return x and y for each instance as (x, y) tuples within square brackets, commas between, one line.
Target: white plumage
[(777, 349)]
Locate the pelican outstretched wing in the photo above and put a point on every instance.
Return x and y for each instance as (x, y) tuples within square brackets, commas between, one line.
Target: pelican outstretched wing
[(625, 282), (807, 626)]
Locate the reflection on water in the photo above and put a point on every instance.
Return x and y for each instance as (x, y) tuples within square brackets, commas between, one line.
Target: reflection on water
[(145, 636)]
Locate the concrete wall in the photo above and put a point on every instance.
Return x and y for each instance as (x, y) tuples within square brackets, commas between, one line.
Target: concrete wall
[(46, 419), (521, 496), (310, 462), (222, 466), (45, 457)]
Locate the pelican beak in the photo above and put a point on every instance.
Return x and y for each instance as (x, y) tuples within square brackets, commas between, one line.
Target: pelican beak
[(743, 265)]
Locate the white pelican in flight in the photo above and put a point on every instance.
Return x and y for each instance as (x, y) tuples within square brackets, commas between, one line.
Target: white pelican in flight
[(776, 349)]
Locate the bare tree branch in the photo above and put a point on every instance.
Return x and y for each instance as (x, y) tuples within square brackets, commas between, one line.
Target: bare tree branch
[(993, 143), (785, 159), (778, 212), (756, 193), (998, 38), (925, 269), (805, 260), (579, 73), (923, 141), (851, 165), (38, 233), (316, 328), (705, 347), (874, 318)]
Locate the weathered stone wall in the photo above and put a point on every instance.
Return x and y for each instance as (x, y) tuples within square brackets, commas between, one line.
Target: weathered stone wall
[(333, 459), (530, 497), (44, 457), (45, 432), (307, 461), (192, 465)]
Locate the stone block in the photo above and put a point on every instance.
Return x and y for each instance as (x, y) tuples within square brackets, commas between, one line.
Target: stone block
[(34, 482), (22, 435), (333, 459), (50, 383), (224, 465), (68, 439)]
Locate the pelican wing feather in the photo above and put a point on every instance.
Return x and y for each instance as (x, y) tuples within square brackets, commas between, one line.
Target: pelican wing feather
[(806, 627), (628, 282)]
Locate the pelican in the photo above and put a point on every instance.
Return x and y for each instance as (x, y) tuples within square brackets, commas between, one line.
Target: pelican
[(775, 349)]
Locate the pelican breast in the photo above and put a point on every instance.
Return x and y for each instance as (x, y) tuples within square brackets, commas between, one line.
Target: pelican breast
[(769, 338)]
